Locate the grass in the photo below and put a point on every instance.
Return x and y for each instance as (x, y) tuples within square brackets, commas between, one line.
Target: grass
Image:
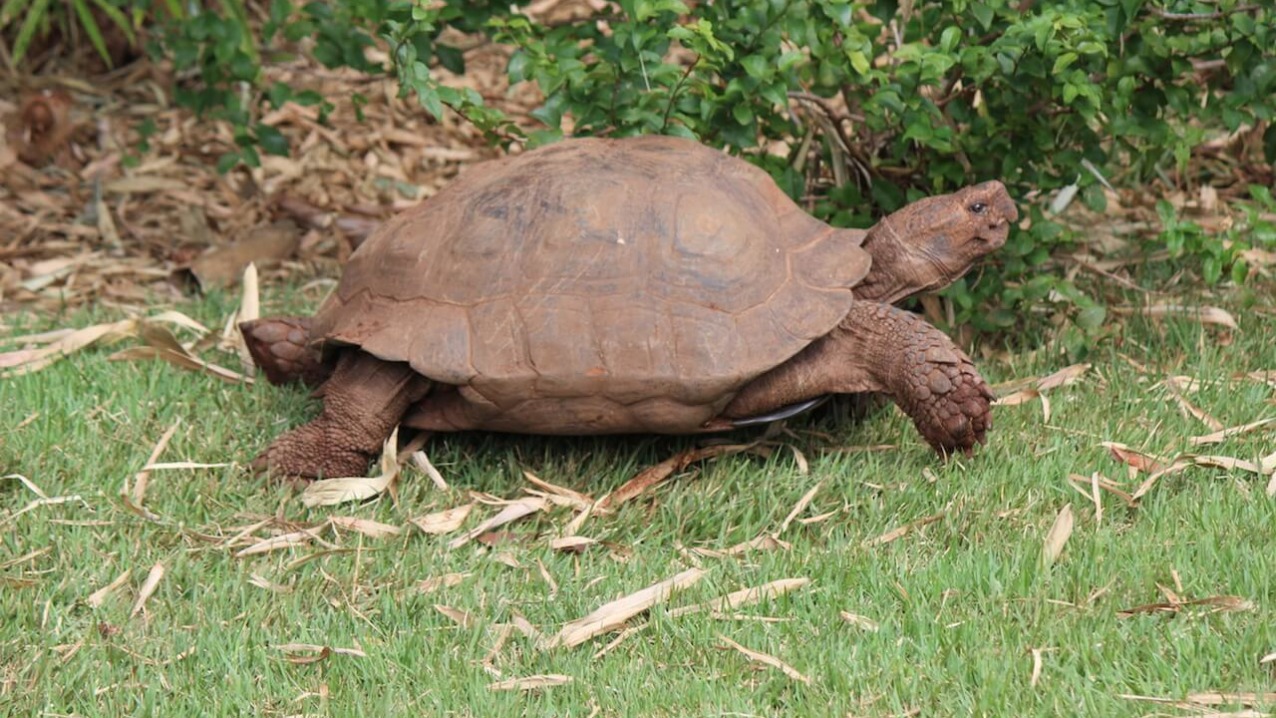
[(961, 603)]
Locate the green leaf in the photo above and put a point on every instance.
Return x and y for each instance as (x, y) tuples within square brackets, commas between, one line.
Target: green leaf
[(756, 66), (91, 29), (1062, 62), (859, 61), (272, 140), (983, 14), (8, 10), (1091, 318), (35, 13)]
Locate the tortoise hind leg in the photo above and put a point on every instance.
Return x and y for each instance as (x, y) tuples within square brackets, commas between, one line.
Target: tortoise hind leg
[(880, 348), (362, 402)]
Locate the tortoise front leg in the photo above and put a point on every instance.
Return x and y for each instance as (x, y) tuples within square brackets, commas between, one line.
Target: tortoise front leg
[(362, 402), (880, 348)]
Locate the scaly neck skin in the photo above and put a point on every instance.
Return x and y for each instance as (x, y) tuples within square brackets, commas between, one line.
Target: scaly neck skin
[(889, 280)]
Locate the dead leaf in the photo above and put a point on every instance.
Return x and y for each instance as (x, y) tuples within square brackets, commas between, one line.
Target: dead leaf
[(443, 522), (1204, 315), (306, 653), (531, 683), (1058, 536), (98, 597), (262, 246), (571, 498), (799, 507), (142, 478), (744, 597), (1175, 390), (765, 659), (422, 462), (572, 544), (514, 511), (459, 617), (654, 475), (330, 492), (1104, 483), (1137, 459), (614, 614), (765, 542), (859, 621), (447, 580), (369, 528), (291, 539), (148, 588), (901, 531), (1220, 604), (1223, 434), (260, 581)]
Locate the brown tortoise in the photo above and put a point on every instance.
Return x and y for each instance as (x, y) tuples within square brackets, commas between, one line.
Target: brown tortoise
[(600, 286)]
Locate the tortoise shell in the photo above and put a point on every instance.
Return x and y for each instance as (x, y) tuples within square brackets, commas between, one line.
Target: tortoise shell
[(589, 284)]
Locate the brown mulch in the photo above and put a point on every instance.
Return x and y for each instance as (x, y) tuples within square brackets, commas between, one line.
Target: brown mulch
[(89, 213)]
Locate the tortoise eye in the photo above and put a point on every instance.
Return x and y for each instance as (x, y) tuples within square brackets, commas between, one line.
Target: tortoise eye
[(978, 208)]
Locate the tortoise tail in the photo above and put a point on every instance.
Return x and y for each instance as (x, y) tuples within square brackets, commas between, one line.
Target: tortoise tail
[(282, 349)]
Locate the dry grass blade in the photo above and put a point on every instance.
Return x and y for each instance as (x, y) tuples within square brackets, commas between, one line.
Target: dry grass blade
[(614, 614), (1138, 460), (799, 507), (1269, 658), (422, 462), (1223, 434), (443, 522), (148, 588), (901, 531), (1271, 483), (1217, 604), (1228, 462), (765, 659), (142, 478), (1057, 537), (1217, 699), (575, 499), (1102, 482), (654, 475), (531, 683), (859, 621), (98, 597), (745, 597), (330, 492), (1063, 377), (456, 615), (514, 511), (291, 539), (249, 310), (447, 580), (305, 653), (1175, 386), (161, 344), (1036, 668), (367, 527), (260, 581), (1204, 315), (765, 542), (572, 544), (25, 361), (27, 483)]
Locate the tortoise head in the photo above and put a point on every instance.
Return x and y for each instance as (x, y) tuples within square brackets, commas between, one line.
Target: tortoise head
[(933, 241)]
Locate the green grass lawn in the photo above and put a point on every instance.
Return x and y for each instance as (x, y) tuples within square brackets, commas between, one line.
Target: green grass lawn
[(963, 605)]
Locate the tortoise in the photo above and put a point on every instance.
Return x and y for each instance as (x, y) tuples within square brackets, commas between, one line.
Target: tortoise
[(638, 285)]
